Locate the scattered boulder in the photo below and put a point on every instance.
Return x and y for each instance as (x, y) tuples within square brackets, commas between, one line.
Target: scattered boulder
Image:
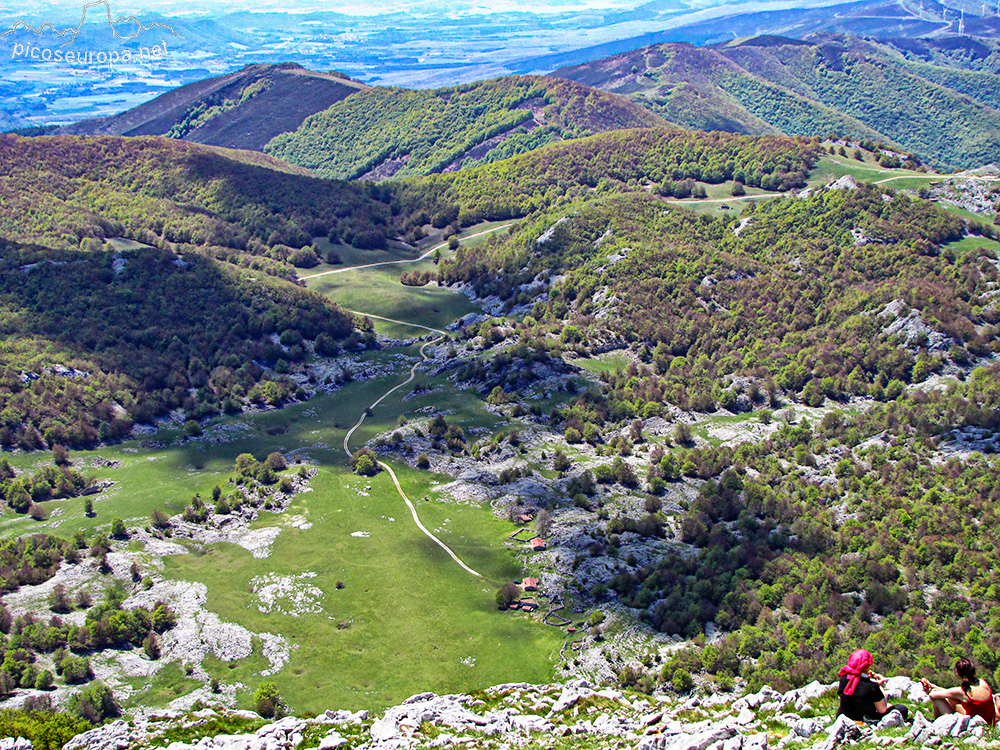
[(509, 715), (766, 694), (807, 727), (891, 720)]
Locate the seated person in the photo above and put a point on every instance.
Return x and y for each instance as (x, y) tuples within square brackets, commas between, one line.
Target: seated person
[(972, 698), (860, 691)]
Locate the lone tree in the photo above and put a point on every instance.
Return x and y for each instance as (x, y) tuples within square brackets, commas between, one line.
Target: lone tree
[(365, 463), (118, 530), (507, 594)]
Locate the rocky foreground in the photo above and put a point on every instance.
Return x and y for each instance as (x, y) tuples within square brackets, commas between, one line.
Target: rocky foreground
[(575, 715)]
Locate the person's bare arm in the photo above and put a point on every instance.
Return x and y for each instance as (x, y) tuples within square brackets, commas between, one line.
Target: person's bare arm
[(881, 706), (955, 693)]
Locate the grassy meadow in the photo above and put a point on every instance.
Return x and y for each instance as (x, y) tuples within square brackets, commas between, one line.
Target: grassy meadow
[(397, 615)]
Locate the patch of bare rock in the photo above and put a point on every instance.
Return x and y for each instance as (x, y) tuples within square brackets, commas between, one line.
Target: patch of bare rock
[(577, 713)]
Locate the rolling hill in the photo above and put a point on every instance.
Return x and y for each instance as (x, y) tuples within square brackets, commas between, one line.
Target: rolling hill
[(937, 99), (242, 110), (389, 132)]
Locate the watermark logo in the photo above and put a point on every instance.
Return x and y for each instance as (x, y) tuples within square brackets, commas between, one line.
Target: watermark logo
[(124, 28)]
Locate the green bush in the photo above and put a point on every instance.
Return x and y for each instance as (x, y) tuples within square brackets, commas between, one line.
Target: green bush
[(267, 700), (47, 730)]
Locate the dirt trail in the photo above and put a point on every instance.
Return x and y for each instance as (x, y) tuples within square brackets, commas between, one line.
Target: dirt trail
[(413, 374), (424, 256), (395, 479)]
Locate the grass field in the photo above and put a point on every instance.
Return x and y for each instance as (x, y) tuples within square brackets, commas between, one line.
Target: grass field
[(832, 167), (719, 200), (604, 363), (407, 618), (378, 291), (967, 244)]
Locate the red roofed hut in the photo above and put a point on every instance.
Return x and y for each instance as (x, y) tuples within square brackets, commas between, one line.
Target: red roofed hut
[(537, 544)]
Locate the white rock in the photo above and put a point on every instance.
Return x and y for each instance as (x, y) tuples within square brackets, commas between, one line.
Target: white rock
[(843, 730), (532, 723), (756, 700), (807, 727), (684, 741), (904, 687), (332, 741), (891, 719), (920, 730), (950, 725)]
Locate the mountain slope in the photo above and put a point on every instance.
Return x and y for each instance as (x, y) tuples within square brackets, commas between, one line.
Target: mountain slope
[(787, 293), (132, 283), (934, 105), (633, 161), (243, 110), (386, 132), (62, 190)]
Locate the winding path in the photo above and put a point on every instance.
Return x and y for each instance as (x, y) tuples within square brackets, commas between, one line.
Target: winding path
[(395, 479), (413, 374), (419, 258)]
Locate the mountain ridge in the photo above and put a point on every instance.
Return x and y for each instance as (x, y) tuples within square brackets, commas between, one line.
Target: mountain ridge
[(243, 110), (863, 89)]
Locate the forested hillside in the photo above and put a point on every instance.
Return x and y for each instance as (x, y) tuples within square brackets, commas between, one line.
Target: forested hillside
[(176, 311), (857, 529), (855, 532), (245, 207), (793, 294), (620, 161), (937, 101), (384, 132)]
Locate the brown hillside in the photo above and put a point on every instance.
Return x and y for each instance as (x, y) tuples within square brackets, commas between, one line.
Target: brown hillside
[(241, 110)]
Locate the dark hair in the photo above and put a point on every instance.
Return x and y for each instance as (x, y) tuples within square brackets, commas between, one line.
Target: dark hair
[(967, 671)]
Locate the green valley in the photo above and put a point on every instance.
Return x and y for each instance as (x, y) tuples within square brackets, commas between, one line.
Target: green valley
[(731, 399)]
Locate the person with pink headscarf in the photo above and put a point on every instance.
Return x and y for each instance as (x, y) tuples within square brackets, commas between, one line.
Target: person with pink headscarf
[(860, 691)]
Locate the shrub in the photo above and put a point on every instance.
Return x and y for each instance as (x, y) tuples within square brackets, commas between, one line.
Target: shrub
[(59, 601), (682, 681), (275, 462), (267, 700), (118, 530), (365, 463), (95, 703), (46, 729), (304, 258), (151, 645)]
